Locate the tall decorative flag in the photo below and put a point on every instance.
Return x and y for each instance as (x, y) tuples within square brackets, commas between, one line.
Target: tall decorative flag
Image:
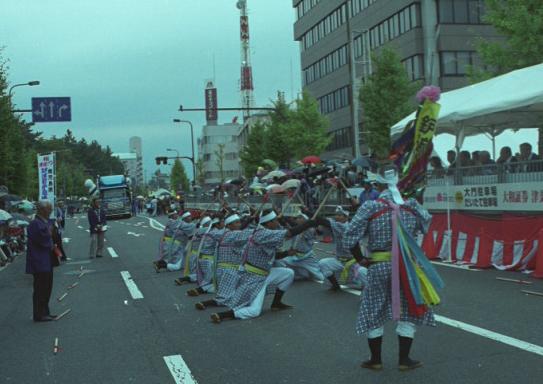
[(411, 151)]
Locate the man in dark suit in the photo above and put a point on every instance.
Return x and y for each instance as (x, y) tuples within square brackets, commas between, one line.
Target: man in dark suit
[(38, 261), (97, 224)]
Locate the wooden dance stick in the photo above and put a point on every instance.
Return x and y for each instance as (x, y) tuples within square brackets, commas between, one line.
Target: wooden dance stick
[(533, 293), (73, 285), (63, 296), (345, 188), (63, 314), (514, 280)]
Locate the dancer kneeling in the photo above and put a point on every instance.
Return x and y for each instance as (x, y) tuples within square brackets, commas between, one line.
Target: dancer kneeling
[(183, 228), (342, 269), (257, 276)]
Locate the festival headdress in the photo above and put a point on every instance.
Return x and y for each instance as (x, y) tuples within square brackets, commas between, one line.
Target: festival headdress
[(231, 219), (390, 179), (267, 218), (185, 215)]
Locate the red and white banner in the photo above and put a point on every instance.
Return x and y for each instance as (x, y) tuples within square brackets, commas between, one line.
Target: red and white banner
[(506, 241)]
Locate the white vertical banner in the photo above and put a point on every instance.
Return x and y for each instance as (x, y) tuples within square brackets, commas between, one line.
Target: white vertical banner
[(47, 177)]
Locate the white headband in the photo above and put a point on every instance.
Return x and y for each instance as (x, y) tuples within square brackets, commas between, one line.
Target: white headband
[(267, 218), (391, 180), (341, 211), (185, 215), (303, 215), (205, 221), (230, 219), (172, 213)]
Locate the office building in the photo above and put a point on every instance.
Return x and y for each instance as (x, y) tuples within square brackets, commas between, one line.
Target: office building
[(219, 150), (434, 38), (135, 146)]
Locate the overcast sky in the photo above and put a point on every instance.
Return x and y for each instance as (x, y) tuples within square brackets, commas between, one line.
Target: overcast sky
[(128, 65)]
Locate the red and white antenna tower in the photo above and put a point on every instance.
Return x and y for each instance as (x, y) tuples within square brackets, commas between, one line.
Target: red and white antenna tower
[(246, 83)]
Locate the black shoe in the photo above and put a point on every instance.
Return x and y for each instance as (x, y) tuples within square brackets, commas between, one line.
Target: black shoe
[(98, 256), (200, 306), (405, 363), (45, 318), (374, 363), (220, 316)]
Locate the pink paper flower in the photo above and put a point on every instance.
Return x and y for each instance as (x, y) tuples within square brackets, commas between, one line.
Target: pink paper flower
[(430, 92)]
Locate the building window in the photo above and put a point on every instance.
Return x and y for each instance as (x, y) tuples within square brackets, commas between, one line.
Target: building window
[(456, 63), (341, 138), (305, 6), (334, 100), (461, 11), (414, 66), (396, 25)]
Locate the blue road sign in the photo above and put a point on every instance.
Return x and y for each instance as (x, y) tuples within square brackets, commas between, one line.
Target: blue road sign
[(51, 109)]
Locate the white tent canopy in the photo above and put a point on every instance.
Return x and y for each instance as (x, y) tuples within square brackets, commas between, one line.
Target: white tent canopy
[(510, 101)]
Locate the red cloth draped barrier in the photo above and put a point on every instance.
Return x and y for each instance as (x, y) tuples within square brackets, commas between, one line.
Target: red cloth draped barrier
[(504, 241)]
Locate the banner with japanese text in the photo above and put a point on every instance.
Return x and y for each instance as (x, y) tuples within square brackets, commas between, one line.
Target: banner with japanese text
[(520, 197), (46, 177)]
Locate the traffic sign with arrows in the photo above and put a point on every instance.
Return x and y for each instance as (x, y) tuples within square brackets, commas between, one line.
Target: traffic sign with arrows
[(51, 109)]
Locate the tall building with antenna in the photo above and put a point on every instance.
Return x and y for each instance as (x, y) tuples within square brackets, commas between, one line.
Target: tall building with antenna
[(246, 83)]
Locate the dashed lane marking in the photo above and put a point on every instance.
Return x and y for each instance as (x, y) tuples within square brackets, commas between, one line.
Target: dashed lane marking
[(179, 370), (131, 285), (112, 252)]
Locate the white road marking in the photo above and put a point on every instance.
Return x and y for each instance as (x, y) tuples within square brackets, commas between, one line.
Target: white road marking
[(86, 230), (132, 287), (511, 341), (66, 240), (112, 252), (528, 347), (179, 370), (80, 227), (135, 234), (145, 226)]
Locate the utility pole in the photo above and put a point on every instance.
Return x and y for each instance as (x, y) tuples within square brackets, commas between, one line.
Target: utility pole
[(354, 86)]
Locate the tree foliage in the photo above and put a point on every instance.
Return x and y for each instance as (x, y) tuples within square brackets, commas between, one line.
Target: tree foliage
[(200, 172), (291, 133), (219, 161), (255, 150), (520, 22), (386, 99), (178, 177)]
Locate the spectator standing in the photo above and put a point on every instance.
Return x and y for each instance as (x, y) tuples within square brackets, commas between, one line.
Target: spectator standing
[(97, 224), (488, 166), (60, 213), (39, 261)]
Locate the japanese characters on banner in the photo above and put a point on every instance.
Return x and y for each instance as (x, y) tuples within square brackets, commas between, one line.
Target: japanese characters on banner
[(495, 197), (46, 177)]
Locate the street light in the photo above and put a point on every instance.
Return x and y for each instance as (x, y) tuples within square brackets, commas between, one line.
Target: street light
[(30, 84), (173, 150), (192, 145)]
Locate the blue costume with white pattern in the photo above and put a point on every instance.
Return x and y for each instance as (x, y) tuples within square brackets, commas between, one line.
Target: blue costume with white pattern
[(260, 254), (343, 266), (181, 236), (304, 263), (374, 218), (229, 251), (207, 259)]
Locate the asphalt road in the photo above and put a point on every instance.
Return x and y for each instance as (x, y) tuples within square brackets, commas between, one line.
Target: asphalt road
[(109, 337)]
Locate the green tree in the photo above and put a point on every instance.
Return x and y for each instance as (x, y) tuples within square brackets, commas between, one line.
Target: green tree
[(278, 133), (219, 161), (386, 99), (255, 150), (308, 128), (200, 172), (520, 22), (178, 177)]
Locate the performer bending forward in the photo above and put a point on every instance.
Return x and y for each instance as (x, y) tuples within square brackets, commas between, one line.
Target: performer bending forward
[(257, 274), (375, 219), (342, 269)]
